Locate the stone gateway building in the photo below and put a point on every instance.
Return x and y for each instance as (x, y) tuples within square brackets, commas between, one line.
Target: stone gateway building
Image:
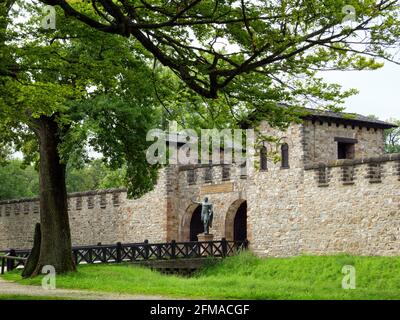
[(333, 191)]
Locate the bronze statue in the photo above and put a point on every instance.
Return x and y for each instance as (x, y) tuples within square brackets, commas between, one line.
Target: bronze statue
[(207, 214)]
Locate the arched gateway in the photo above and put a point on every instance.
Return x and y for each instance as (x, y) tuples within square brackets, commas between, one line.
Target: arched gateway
[(196, 226), (191, 224), (236, 221)]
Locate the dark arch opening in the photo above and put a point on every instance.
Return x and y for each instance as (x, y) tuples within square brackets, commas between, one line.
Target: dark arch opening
[(285, 155), (263, 158), (240, 223), (196, 226)]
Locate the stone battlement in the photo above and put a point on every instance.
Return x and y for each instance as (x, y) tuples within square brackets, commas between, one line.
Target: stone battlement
[(353, 162), (31, 205), (357, 171), (106, 216), (95, 216)]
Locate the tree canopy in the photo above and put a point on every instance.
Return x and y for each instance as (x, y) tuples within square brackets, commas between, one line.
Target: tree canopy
[(213, 45), (61, 93), (96, 87)]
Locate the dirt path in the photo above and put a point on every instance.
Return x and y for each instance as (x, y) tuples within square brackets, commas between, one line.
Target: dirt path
[(12, 288)]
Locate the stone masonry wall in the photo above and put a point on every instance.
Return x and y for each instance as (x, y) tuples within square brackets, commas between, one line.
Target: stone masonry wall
[(319, 144), (105, 216), (94, 217), (293, 136), (17, 220), (146, 218), (350, 206)]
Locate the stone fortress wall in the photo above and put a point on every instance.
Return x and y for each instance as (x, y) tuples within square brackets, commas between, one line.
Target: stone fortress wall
[(91, 214), (326, 206), (316, 134), (350, 206), (319, 205), (105, 216)]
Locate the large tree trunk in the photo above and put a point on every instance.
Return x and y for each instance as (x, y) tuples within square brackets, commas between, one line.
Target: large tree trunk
[(55, 236), (33, 258), (55, 246)]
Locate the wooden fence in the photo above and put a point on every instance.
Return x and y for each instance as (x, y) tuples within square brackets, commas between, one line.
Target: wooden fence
[(134, 252)]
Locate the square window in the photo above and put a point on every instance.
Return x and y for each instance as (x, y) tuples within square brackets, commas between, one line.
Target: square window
[(346, 150)]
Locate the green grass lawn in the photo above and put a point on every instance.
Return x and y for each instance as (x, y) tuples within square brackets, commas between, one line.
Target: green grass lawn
[(246, 277)]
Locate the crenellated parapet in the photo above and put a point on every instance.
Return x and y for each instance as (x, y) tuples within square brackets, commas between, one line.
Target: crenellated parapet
[(212, 173), (100, 198), (353, 171), (76, 201), (19, 207)]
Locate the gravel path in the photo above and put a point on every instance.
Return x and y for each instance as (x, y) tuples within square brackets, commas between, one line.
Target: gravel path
[(13, 288)]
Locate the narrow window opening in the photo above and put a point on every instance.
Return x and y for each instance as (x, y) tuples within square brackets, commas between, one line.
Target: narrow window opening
[(285, 155), (263, 159)]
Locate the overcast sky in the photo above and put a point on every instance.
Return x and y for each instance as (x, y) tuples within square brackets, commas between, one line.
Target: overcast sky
[(379, 90)]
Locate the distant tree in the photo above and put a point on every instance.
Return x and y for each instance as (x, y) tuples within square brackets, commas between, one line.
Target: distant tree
[(18, 181), (93, 176), (392, 138)]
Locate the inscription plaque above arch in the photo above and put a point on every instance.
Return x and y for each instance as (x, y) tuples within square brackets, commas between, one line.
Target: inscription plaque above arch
[(217, 188)]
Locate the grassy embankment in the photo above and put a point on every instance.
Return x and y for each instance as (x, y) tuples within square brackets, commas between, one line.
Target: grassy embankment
[(246, 277)]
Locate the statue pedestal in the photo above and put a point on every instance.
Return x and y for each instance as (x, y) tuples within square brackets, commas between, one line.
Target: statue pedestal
[(205, 237), (205, 249)]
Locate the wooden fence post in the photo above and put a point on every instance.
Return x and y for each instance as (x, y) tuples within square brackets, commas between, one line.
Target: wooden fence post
[(133, 252), (146, 249), (10, 263), (224, 246), (119, 252), (173, 249), (90, 252), (159, 251)]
